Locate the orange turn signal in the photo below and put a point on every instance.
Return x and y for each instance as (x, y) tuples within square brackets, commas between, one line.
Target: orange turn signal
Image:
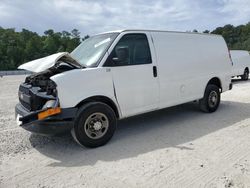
[(49, 112)]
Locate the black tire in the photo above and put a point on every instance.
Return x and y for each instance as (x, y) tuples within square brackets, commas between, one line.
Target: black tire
[(84, 132), (211, 100), (245, 76)]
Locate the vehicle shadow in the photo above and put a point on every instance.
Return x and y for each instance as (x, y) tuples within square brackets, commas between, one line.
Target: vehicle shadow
[(172, 127), (239, 81)]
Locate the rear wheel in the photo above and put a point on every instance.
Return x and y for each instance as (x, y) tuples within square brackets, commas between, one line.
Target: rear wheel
[(95, 125), (245, 75), (211, 100)]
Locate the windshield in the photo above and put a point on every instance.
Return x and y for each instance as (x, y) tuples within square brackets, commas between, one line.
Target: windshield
[(89, 52)]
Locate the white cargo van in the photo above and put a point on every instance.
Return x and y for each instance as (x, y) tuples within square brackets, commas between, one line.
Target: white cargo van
[(120, 74), (241, 63)]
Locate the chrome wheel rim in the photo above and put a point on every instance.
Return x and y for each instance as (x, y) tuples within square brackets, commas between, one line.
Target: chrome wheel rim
[(212, 99), (96, 125)]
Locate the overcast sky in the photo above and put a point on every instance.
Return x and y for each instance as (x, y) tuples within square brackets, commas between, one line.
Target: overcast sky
[(93, 16)]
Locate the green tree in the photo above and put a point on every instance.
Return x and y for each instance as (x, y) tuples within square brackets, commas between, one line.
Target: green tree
[(19, 47), (206, 31)]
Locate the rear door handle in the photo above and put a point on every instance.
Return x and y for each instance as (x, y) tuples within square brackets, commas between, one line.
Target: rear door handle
[(155, 71)]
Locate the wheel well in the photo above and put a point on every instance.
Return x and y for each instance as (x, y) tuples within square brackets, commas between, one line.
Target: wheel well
[(103, 99), (215, 81), (247, 69)]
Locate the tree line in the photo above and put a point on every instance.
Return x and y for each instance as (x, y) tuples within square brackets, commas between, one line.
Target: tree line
[(236, 37), (19, 47)]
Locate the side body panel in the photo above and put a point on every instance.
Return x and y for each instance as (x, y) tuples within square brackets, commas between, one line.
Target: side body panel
[(241, 60), (81, 84), (186, 63)]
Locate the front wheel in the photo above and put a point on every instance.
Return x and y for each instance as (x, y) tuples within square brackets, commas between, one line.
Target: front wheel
[(245, 76), (94, 125), (211, 100)]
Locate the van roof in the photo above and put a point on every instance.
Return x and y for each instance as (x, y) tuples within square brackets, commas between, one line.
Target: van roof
[(187, 32)]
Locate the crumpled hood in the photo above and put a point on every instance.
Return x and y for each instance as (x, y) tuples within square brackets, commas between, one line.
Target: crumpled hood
[(47, 62)]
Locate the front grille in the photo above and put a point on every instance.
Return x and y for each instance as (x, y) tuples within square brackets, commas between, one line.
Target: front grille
[(24, 88), (24, 95), (29, 99), (25, 105)]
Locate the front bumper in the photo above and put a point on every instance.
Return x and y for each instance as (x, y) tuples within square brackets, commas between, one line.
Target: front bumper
[(52, 125)]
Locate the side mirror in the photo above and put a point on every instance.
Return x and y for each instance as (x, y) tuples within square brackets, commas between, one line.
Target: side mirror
[(122, 54)]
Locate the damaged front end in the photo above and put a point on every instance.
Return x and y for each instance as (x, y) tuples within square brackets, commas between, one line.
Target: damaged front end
[(38, 92), (39, 106)]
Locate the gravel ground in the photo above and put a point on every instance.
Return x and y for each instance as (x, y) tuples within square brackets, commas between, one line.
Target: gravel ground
[(175, 147)]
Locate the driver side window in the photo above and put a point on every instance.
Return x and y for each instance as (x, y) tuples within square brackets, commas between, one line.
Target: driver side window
[(132, 49)]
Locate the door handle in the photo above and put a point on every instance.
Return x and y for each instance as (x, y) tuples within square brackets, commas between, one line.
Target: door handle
[(155, 71)]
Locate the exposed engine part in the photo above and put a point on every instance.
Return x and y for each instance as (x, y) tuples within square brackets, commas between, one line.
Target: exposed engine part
[(38, 88)]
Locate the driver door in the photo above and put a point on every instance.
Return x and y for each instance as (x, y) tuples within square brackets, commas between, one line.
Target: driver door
[(134, 75)]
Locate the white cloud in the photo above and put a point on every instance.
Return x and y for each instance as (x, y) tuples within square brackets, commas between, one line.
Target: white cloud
[(97, 16), (237, 10)]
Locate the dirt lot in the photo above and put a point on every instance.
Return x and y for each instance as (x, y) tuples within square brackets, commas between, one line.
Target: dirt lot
[(175, 147)]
